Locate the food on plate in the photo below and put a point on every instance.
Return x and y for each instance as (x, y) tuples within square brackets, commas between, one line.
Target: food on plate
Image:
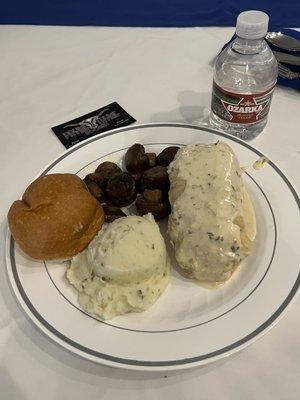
[(159, 209), (144, 181), (138, 183), (167, 156), (152, 159), (154, 195), (56, 218), (125, 268), (260, 163), (120, 189), (104, 172), (153, 184), (97, 181), (212, 224), (156, 178), (112, 212), (93, 187), (136, 159)]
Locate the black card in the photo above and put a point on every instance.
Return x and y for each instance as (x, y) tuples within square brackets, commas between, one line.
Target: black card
[(106, 118)]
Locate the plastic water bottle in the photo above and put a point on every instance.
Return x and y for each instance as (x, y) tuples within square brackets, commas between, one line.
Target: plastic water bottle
[(245, 74)]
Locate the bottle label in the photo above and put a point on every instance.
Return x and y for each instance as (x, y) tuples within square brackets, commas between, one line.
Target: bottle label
[(240, 108)]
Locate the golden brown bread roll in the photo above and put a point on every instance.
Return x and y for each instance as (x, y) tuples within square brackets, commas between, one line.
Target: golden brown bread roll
[(56, 218)]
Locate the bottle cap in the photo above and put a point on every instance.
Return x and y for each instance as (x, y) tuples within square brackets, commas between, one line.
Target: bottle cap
[(252, 24)]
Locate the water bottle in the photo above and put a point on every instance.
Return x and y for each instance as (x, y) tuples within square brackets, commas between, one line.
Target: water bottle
[(245, 74)]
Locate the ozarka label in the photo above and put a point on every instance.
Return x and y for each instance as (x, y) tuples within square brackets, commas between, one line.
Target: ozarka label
[(240, 108)]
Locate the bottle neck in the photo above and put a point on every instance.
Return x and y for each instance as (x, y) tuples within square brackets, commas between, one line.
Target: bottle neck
[(247, 46)]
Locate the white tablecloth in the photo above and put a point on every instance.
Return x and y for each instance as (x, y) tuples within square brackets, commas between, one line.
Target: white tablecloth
[(49, 75)]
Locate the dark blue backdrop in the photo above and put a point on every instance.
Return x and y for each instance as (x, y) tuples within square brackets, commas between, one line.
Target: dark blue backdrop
[(144, 12)]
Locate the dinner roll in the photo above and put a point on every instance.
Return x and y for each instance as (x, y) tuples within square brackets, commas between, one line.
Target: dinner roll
[(56, 218)]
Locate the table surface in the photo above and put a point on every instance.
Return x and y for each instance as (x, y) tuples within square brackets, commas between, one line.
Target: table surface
[(49, 75)]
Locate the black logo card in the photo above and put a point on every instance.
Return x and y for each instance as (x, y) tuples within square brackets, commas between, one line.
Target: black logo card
[(102, 120)]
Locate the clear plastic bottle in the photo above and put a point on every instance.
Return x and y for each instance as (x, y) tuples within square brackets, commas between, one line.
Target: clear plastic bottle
[(245, 74)]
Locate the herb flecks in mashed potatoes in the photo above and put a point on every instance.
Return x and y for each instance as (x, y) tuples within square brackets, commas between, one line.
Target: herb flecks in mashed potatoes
[(125, 268)]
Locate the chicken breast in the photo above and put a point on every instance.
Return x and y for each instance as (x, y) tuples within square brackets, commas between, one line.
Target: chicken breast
[(212, 224)]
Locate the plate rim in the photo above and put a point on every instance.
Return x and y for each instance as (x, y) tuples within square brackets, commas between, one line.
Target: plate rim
[(107, 359)]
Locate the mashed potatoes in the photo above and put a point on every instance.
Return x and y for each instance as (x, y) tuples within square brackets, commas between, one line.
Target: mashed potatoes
[(125, 268)]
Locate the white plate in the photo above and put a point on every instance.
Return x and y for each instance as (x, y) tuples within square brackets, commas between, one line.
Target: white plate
[(189, 325)]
